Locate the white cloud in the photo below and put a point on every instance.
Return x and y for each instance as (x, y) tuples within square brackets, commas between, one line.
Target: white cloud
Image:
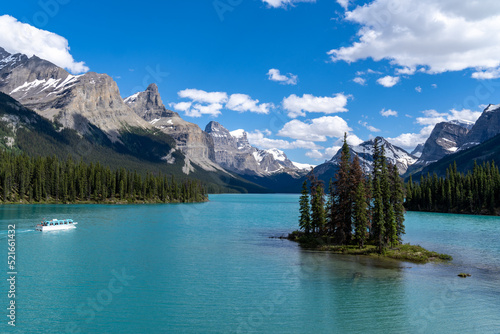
[(331, 151), (202, 96), (243, 102), (360, 81), (389, 112), (432, 117), (317, 129), (344, 3), (369, 127), (487, 75), (418, 89), (258, 139), (284, 3), (211, 103), (388, 81), (315, 154), (441, 36), (409, 141), (406, 71), (198, 110), (298, 106), (434, 86), (17, 37), (275, 75), (181, 106)]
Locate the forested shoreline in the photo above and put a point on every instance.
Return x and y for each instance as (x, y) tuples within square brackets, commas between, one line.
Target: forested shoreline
[(25, 179), (477, 192)]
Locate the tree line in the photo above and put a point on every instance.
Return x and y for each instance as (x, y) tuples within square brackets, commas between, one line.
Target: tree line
[(359, 209), (52, 180), (477, 192)]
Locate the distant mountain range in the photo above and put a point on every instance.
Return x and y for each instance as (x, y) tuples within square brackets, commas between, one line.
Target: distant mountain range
[(60, 113)]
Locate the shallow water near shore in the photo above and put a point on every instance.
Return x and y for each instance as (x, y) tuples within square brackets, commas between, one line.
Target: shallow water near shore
[(212, 268)]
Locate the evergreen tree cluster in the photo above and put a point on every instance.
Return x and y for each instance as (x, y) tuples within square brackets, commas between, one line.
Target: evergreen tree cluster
[(477, 192), (50, 180), (359, 209)]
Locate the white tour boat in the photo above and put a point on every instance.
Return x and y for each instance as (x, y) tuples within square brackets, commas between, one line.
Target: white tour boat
[(56, 224)]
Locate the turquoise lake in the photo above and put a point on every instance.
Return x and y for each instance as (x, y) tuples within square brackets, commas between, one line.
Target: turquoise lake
[(212, 268)]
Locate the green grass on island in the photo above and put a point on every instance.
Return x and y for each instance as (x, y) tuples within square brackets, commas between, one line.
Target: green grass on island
[(402, 252)]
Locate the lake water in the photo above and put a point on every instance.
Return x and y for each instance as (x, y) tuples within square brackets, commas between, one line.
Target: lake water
[(212, 268)]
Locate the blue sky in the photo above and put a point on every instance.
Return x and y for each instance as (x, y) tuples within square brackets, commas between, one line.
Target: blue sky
[(320, 68)]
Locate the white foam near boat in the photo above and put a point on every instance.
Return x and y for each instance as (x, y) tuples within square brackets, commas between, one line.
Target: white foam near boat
[(55, 225)]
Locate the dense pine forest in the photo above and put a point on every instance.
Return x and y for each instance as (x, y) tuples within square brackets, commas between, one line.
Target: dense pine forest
[(25, 179), (477, 192), (359, 210)]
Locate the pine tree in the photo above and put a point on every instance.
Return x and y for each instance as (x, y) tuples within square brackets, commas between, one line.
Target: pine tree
[(305, 210), (360, 215), (317, 204), (343, 196)]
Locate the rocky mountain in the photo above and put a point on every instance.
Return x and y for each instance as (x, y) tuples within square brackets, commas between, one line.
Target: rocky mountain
[(395, 155), (79, 102), (444, 139), (487, 126), (234, 153), (417, 151), (196, 144)]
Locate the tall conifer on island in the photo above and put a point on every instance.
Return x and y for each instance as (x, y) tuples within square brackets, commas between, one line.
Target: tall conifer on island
[(317, 204), (343, 196), (305, 210), (360, 215), (398, 199)]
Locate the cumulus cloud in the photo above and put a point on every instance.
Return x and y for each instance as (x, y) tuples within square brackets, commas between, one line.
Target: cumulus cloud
[(344, 3), (440, 36), (298, 106), (359, 80), (315, 154), (243, 102), (258, 138), (406, 71), (17, 37), (202, 96), (284, 3), (388, 81), (409, 141), (202, 102), (211, 103), (388, 112), (418, 89), (432, 117), (487, 75), (275, 75), (369, 127), (318, 129)]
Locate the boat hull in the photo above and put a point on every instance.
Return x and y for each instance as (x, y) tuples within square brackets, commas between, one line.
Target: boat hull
[(55, 228)]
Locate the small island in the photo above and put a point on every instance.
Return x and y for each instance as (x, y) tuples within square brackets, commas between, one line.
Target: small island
[(363, 214)]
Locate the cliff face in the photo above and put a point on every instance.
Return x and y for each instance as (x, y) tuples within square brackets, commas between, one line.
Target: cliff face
[(487, 126), (76, 102), (196, 144), (234, 152), (445, 139)]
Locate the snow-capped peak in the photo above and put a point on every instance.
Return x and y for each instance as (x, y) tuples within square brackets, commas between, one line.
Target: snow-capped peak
[(463, 123), (277, 154), (131, 98), (303, 166), (492, 107)]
